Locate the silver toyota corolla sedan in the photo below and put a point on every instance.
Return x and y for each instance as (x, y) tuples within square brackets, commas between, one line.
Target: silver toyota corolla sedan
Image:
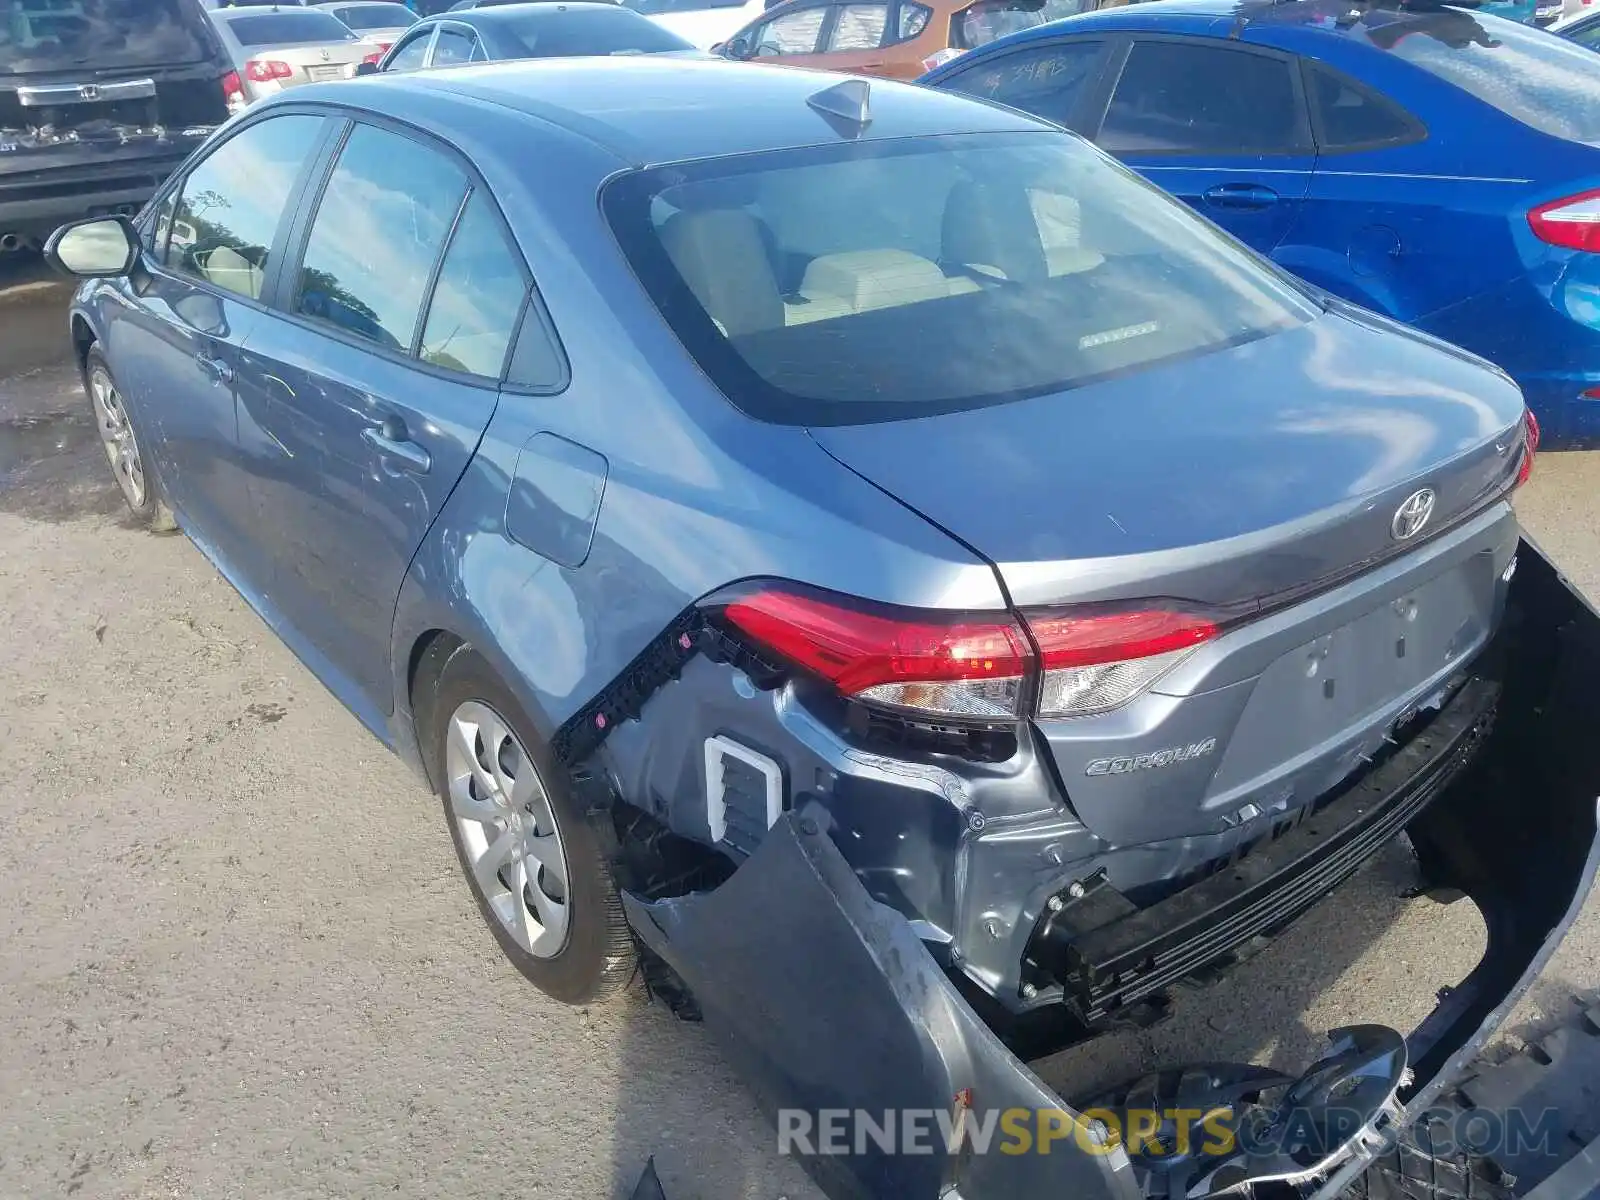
[(276, 48)]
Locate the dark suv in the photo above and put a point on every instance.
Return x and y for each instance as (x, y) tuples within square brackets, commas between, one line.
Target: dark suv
[(100, 100)]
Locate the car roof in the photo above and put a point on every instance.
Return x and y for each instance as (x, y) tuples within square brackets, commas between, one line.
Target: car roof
[(650, 109), (1216, 17), (330, 5), (539, 10)]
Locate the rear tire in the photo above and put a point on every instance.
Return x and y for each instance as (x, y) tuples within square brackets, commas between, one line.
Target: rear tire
[(131, 466), (531, 858)]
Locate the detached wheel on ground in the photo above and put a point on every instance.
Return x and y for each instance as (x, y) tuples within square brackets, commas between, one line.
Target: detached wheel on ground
[(134, 474), (531, 859)]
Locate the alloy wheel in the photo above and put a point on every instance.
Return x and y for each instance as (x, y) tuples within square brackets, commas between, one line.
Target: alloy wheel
[(116, 438), (507, 828)]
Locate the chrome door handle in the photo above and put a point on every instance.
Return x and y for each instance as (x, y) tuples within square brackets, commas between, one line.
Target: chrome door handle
[(399, 451)]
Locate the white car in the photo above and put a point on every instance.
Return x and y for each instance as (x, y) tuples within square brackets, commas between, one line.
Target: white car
[(376, 22), (702, 23)]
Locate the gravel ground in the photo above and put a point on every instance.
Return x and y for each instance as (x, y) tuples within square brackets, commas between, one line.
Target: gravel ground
[(236, 958)]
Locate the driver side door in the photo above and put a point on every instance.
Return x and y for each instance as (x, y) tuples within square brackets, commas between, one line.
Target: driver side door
[(790, 35)]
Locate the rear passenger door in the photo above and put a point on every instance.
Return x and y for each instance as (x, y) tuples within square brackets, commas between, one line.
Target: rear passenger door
[(1222, 126), (363, 396)]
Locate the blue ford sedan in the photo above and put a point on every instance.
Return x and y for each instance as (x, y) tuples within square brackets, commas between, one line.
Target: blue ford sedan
[(646, 449), (1431, 163)]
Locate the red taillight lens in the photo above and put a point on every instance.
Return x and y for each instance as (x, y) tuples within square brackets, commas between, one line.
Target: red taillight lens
[(1530, 446), (1572, 222), (955, 665), (377, 58), (265, 70), (232, 88), (383, 48), (970, 665), (1094, 662)]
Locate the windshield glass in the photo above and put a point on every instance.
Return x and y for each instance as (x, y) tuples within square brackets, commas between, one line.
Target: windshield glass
[(564, 32), (286, 28), (51, 35), (377, 16), (1543, 81), (871, 280)]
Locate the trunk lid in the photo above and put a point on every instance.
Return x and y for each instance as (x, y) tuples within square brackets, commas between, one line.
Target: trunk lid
[(1264, 470)]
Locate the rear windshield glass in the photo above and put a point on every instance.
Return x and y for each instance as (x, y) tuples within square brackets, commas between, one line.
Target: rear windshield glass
[(286, 28), (871, 280), (1543, 81), (377, 16), (50, 35), (563, 32)]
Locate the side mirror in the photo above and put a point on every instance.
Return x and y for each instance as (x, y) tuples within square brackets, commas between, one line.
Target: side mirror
[(739, 46), (718, 47), (366, 68), (100, 246)]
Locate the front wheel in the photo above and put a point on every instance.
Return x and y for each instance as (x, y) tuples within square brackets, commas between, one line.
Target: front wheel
[(531, 859), (134, 475)]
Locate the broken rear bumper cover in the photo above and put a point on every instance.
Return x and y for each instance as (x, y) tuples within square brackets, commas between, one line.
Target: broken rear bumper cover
[(828, 1000)]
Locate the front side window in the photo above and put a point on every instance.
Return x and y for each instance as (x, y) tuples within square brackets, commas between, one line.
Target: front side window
[(228, 212), (453, 46), (875, 280), (378, 230), (1350, 115), (1044, 80), (858, 26), (473, 313), (411, 52), (1545, 82), (1191, 98), (792, 33), (990, 19)]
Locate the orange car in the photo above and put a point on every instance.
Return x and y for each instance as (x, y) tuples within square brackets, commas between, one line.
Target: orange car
[(897, 38)]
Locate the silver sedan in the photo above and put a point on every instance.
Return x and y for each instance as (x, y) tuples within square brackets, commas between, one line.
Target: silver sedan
[(277, 48)]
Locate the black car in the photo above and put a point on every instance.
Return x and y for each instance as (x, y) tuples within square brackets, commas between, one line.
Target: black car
[(100, 100), (538, 30)]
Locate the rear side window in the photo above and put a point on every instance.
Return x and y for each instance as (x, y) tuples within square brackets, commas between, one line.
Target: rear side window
[(1349, 115), (221, 230), (884, 279), (1045, 80), (286, 28), (476, 303), (1543, 81), (411, 53), (378, 231), (858, 26), (453, 46), (1191, 98), (36, 35), (1586, 33), (987, 20)]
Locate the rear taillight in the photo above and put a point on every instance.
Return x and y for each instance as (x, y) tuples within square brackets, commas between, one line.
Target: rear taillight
[(265, 70), (233, 90), (977, 666), (383, 48), (954, 665), (1097, 662), (1572, 222), (1530, 446), (377, 58), (939, 57)]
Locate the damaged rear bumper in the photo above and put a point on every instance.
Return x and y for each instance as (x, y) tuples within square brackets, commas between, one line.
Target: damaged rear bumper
[(827, 999)]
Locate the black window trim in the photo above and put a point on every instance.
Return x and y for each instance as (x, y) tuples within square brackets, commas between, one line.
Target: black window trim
[(890, 11), (1114, 72), (1090, 107), (1416, 131), (157, 266), (892, 25), (279, 285)]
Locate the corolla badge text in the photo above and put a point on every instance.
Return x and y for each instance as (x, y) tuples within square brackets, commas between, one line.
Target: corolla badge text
[(1143, 762)]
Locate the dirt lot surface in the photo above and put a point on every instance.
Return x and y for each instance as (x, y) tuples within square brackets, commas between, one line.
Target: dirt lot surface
[(236, 958)]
